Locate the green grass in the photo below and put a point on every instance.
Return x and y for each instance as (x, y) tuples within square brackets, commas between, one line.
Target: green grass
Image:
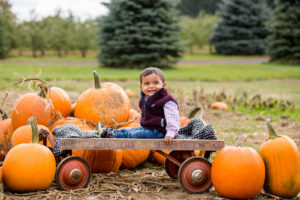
[(226, 72), (269, 80)]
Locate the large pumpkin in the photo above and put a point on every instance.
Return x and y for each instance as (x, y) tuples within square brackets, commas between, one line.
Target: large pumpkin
[(238, 172), (31, 104), (282, 161), (108, 104), (100, 161), (6, 130), (60, 100), (29, 167)]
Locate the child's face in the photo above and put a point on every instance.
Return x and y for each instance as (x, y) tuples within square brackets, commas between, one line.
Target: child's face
[(151, 84)]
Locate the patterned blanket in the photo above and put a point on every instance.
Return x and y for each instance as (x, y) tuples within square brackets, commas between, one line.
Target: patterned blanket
[(195, 129)]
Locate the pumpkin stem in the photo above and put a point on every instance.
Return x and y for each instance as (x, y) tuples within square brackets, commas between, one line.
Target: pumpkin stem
[(3, 114), (35, 131), (44, 90), (272, 133), (96, 79), (194, 111), (242, 139)]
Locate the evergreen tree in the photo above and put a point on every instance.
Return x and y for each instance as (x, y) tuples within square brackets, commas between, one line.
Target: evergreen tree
[(241, 30), (192, 8), (139, 33), (284, 27)]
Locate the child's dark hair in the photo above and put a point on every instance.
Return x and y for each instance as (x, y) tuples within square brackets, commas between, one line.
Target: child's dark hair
[(152, 70)]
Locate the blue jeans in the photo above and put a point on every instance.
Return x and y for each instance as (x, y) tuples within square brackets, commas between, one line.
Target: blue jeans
[(139, 132)]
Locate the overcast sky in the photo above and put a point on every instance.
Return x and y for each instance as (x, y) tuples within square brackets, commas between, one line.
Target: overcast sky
[(82, 9)]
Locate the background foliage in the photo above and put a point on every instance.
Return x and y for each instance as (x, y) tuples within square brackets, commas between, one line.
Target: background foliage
[(241, 30), (284, 27)]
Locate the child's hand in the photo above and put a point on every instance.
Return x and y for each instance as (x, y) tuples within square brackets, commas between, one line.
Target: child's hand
[(168, 139)]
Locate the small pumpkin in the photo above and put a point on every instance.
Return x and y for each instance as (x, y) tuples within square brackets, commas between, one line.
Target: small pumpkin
[(60, 100), (108, 104), (158, 158), (238, 172), (29, 167), (282, 160), (184, 120), (6, 131), (219, 105), (24, 134), (31, 104)]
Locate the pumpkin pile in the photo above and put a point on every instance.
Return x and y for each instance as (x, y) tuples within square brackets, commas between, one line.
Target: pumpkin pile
[(105, 102)]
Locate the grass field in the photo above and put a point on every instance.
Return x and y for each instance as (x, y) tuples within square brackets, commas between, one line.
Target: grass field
[(270, 80)]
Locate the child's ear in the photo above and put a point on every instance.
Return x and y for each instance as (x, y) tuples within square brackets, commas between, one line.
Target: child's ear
[(165, 84)]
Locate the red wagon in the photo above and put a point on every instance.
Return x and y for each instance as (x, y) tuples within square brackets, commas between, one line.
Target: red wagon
[(193, 172)]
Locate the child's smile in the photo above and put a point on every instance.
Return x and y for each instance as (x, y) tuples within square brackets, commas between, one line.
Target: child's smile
[(151, 84)]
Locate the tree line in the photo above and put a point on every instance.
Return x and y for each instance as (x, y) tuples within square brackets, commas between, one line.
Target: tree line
[(67, 34), (51, 33), (137, 33)]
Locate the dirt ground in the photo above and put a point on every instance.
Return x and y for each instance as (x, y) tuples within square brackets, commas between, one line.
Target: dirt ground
[(150, 181)]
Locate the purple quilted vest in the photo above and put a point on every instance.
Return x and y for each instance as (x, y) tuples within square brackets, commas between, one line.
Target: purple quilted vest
[(153, 116)]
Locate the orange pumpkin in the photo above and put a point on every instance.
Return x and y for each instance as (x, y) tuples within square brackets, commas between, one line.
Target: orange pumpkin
[(31, 104), (132, 158), (282, 160), (184, 120), (60, 100), (158, 158), (102, 161), (29, 167), (23, 134), (108, 104), (133, 114), (1, 175), (219, 105), (6, 130), (238, 172), (80, 123)]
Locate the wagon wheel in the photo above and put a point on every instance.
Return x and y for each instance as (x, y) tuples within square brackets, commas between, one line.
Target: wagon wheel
[(72, 173), (170, 167), (194, 175)]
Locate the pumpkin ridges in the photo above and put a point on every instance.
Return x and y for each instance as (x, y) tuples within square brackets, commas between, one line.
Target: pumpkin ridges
[(108, 104), (29, 167), (281, 166), (282, 162), (60, 100), (30, 104), (240, 178)]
